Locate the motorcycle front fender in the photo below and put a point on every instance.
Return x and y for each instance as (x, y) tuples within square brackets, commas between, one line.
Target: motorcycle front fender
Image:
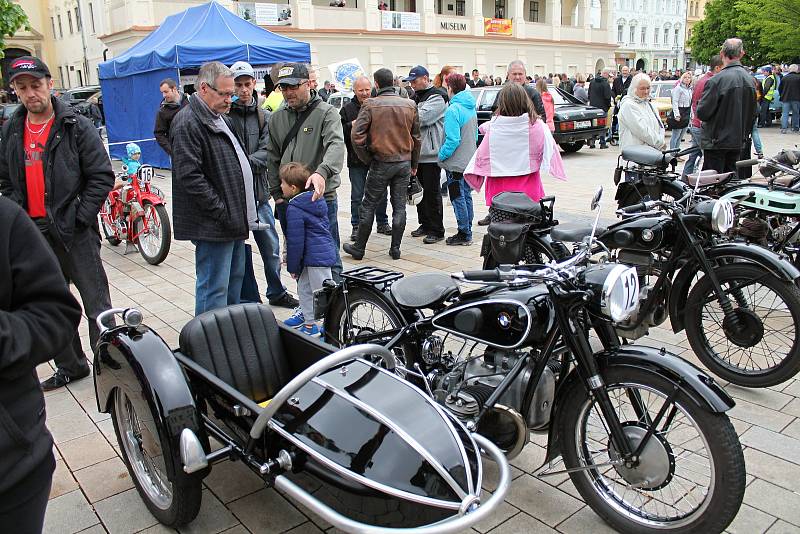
[(776, 264), (140, 363), (692, 381)]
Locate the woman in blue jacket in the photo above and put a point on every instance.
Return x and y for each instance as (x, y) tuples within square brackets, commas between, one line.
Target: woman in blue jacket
[(460, 142)]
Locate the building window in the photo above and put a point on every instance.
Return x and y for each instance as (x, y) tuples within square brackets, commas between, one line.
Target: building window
[(53, 23), (69, 21), (632, 35), (689, 33), (666, 37), (460, 8), (61, 76), (664, 64), (80, 78), (619, 33), (77, 19), (644, 35), (438, 7), (499, 9), (91, 16), (677, 32), (534, 11), (674, 64), (655, 36), (60, 28)]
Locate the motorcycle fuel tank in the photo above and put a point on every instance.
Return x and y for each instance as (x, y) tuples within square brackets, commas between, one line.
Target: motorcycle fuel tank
[(642, 233)]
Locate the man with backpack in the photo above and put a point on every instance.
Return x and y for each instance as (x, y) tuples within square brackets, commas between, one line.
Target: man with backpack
[(308, 131), (250, 125)]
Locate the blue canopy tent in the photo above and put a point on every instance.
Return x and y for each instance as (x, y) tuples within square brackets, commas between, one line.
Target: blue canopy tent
[(185, 40)]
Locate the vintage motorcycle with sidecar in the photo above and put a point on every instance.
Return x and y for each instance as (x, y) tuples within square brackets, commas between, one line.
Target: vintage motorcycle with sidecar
[(349, 439)]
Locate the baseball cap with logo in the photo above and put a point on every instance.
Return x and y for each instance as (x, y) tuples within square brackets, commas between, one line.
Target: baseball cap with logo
[(292, 74), (32, 66), (417, 72), (242, 68)]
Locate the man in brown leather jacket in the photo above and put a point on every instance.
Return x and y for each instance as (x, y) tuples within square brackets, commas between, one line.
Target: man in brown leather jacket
[(386, 137)]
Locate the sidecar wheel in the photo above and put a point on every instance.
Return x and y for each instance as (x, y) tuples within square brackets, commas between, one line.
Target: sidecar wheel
[(173, 501), (691, 473)]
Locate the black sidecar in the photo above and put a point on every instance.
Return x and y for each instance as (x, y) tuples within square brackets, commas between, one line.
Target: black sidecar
[(336, 431)]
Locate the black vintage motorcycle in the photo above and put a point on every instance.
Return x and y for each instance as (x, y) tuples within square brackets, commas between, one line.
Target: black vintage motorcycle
[(643, 433), (362, 448)]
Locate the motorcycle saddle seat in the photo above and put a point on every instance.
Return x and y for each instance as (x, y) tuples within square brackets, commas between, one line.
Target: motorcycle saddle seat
[(573, 233), (708, 177), (644, 155), (423, 290)]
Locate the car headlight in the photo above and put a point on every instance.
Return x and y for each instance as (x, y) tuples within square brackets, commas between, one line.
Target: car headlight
[(616, 289), (722, 216)]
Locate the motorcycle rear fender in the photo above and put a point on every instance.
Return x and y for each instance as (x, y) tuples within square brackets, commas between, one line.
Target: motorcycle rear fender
[(699, 387), (155, 384), (777, 265)]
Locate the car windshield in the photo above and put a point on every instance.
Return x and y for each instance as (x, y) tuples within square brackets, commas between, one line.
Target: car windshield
[(661, 90), (560, 97)]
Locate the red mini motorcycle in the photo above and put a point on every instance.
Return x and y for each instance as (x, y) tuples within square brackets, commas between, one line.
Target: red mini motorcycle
[(136, 213)]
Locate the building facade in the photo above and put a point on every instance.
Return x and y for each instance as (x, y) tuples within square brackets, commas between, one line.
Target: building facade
[(695, 12), (650, 34), (74, 36)]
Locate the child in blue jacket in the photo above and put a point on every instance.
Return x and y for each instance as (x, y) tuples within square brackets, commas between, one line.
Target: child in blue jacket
[(310, 251)]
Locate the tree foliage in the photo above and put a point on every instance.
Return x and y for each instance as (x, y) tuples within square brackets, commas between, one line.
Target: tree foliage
[(770, 29), (12, 19)]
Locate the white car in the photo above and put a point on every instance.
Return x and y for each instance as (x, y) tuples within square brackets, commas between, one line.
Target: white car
[(340, 98)]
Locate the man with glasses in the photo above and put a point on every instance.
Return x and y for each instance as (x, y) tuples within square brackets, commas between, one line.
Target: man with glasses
[(308, 131), (213, 199)]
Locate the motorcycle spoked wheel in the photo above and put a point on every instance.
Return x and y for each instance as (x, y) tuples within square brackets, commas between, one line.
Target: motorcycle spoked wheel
[(108, 229), (173, 501), (369, 315), (154, 245), (691, 476), (766, 351)]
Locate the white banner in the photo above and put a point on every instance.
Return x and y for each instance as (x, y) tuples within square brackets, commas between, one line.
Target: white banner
[(345, 73), (265, 14), (395, 20)]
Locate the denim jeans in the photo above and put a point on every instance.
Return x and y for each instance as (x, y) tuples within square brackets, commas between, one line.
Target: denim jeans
[(382, 175), (794, 107), (333, 222), (219, 266), (461, 198), (82, 266), (358, 177), (695, 133), (675, 137), (270, 248), (757, 145)]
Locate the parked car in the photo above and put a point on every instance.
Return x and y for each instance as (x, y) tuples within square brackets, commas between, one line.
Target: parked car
[(6, 110), (77, 95), (661, 93), (575, 122), (92, 108), (340, 98)]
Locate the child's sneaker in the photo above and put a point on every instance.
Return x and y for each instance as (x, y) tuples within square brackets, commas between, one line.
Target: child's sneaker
[(310, 330), (296, 319)]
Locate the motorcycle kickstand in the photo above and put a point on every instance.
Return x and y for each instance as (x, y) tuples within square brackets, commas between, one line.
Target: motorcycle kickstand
[(130, 248)]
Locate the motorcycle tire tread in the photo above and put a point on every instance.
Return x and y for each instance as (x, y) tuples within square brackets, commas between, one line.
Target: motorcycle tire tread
[(720, 435)]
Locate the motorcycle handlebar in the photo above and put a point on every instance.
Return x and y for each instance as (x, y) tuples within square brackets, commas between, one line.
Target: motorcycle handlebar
[(488, 275), (641, 206), (746, 163)]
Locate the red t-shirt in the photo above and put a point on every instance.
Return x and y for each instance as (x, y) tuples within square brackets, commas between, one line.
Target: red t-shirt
[(34, 166)]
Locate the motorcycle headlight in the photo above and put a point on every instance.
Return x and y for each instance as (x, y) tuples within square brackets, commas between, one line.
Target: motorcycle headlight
[(722, 216), (616, 288)]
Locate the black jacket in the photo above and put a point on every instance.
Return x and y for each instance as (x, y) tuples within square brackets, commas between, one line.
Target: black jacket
[(164, 119), (790, 87), (208, 201), (77, 170), (534, 96), (250, 124), (620, 88), (38, 317), (727, 109), (349, 112), (600, 93)]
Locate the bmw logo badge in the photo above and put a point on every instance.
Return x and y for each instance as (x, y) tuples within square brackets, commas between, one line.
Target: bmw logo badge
[(504, 320)]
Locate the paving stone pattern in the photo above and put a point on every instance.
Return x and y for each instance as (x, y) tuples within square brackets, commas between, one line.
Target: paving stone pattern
[(93, 493)]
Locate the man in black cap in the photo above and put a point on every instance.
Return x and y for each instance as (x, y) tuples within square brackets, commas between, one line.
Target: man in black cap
[(431, 105), (54, 165), (308, 131)]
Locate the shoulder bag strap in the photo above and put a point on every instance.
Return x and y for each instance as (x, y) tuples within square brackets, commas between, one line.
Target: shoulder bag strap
[(296, 126)]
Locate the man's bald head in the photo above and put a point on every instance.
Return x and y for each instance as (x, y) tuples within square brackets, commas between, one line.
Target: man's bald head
[(732, 49), (362, 88)]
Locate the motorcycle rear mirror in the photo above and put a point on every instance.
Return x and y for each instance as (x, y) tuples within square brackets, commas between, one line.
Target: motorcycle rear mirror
[(597, 196)]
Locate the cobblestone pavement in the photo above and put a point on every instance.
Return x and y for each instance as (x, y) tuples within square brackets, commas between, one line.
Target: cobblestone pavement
[(93, 493)]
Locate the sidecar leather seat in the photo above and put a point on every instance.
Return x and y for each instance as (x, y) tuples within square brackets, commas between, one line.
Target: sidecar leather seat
[(242, 346), (423, 290), (574, 233)]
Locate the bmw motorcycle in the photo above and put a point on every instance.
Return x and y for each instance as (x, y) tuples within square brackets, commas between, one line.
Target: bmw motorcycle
[(642, 433)]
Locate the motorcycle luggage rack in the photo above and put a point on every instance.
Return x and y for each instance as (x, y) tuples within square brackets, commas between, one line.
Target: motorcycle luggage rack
[(372, 275)]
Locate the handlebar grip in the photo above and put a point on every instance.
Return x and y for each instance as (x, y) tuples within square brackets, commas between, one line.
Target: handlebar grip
[(488, 275), (746, 163), (641, 206)]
